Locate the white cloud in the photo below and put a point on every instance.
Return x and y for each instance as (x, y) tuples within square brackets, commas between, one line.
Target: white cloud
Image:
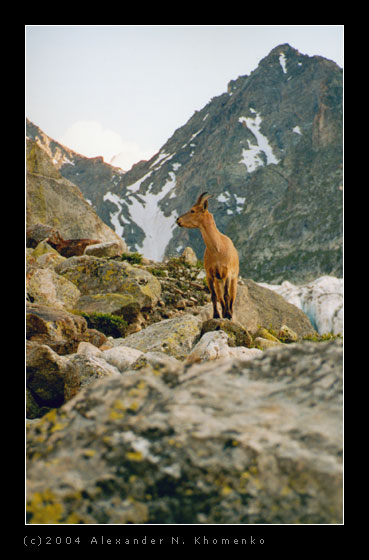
[(90, 139)]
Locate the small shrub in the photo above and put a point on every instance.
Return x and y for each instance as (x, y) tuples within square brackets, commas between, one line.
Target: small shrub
[(110, 325), (133, 258), (157, 272)]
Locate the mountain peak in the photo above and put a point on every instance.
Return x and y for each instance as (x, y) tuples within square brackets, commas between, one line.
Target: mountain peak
[(285, 48)]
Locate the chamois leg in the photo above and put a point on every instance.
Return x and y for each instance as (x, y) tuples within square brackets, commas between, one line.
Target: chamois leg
[(213, 297), (232, 295), (227, 310), (219, 286)]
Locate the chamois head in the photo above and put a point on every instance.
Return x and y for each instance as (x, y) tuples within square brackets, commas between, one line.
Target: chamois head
[(195, 216)]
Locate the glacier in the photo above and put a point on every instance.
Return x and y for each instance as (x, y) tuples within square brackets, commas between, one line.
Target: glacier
[(321, 300)]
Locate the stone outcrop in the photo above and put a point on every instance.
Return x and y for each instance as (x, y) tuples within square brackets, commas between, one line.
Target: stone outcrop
[(54, 201), (227, 442)]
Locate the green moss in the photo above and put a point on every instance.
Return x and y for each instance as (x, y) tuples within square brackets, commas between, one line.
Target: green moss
[(157, 271), (322, 337), (110, 325), (133, 258)]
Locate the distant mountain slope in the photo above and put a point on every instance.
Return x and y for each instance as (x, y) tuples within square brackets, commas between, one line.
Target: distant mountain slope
[(269, 150), (92, 176)]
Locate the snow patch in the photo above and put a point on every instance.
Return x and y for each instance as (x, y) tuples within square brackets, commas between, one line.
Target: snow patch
[(240, 203), (196, 134), (251, 157), (135, 186), (224, 197), (297, 130), (67, 161), (282, 62), (161, 159), (146, 213)]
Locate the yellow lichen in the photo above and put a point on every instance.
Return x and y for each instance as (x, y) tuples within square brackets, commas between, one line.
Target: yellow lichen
[(57, 427), (226, 490), (134, 456), (116, 415), (44, 508), (73, 518), (118, 410), (89, 452)]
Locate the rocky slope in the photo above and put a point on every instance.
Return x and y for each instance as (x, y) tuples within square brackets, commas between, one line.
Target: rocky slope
[(154, 413)]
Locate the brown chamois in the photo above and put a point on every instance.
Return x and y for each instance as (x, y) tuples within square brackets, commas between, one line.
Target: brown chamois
[(220, 257)]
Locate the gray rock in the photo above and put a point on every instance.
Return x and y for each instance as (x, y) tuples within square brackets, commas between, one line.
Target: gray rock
[(175, 337), (229, 442), (189, 256), (121, 357), (212, 345), (48, 288), (94, 276), (60, 330), (107, 249), (53, 379)]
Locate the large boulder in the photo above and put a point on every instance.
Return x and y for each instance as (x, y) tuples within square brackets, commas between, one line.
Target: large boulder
[(257, 306), (60, 330), (53, 379), (174, 337), (102, 277), (228, 442), (54, 201), (46, 287), (217, 345)]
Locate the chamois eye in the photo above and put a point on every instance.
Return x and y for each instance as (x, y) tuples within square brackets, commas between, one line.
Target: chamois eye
[(192, 211)]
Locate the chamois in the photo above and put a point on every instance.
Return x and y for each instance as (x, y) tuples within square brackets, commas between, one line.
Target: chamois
[(220, 257)]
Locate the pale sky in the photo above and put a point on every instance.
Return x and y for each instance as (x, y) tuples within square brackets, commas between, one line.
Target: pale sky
[(103, 90)]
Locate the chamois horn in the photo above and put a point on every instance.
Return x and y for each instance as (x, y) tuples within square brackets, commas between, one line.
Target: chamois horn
[(203, 196)]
